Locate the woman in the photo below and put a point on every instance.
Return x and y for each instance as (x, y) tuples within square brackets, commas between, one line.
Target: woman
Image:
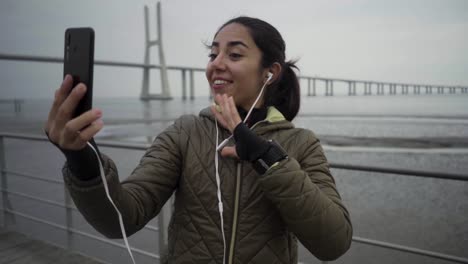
[(272, 192)]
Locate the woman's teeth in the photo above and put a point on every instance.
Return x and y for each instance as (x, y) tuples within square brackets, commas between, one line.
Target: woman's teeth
[(217, 82)]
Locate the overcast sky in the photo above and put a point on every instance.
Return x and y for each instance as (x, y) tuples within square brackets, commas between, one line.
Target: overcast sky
[(423, 41)]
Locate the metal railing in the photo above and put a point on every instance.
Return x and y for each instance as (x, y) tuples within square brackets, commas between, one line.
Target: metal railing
[(17, 103), (368, 85), (162, 230)]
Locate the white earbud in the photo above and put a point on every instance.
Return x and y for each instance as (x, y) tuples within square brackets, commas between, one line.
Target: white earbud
[(269, 76)]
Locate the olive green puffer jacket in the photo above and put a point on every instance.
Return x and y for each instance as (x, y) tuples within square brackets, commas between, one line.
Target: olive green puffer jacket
[(264, 215)]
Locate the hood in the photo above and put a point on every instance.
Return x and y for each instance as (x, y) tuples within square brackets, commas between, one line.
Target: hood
[(273, 121)]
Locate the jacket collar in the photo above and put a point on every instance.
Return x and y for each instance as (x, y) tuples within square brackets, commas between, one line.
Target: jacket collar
[(274, 120)]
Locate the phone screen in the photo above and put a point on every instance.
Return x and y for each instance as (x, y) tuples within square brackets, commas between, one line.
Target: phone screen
[(79, 61)]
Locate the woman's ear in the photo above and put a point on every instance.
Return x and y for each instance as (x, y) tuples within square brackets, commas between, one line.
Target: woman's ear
[(275, 70)]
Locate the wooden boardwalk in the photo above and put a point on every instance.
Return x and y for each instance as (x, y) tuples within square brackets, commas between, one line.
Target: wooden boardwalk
[(16, 248)]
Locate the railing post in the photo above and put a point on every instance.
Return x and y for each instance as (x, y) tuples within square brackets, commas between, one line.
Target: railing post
[(326, 87), (17, 103), (5, 203), (145, 84), (184, 86), (192, 86), (313, 87), (4, 182), (68, 216), (308, 86), (163, 224)]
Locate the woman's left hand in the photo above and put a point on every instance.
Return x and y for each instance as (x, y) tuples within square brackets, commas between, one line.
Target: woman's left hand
[(226, 114)]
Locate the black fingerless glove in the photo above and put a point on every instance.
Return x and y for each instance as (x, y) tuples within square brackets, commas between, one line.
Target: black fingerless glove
[(262, 153), (249, 146), (83, 163)]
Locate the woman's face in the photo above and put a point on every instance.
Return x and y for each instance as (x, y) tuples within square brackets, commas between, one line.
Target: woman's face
[(234, 66)]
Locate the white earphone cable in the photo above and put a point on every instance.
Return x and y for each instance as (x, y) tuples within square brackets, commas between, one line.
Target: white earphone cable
[(218, 179), (224, 143), (218, 194), (106, 188)]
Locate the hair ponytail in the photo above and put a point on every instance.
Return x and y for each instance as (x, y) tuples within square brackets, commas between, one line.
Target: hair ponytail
[(284, 94)]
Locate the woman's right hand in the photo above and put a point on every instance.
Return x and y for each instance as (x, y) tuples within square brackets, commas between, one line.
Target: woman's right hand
[(64, 130)]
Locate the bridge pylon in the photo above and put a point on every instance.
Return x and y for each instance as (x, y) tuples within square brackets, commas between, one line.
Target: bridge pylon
[(165, 91)]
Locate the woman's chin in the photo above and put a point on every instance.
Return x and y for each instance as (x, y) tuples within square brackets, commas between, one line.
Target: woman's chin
[(220, 91)]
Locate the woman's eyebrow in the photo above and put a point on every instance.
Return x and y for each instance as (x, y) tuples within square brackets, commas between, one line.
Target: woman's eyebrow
[(230, 44)]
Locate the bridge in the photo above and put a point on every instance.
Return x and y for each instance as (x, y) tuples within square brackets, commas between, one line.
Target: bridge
[(369, 86), (315, 85)]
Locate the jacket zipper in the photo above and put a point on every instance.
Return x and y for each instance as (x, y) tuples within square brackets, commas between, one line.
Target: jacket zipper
[(236, 207), (236, 212)]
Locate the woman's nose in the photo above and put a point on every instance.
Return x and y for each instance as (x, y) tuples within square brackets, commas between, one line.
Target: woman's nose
[(219, 62)]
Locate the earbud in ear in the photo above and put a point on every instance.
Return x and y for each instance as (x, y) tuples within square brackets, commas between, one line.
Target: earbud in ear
[(269, 76)]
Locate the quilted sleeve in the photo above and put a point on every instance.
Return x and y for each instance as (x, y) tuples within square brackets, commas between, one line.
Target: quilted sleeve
[(306, 196), (140, 197)]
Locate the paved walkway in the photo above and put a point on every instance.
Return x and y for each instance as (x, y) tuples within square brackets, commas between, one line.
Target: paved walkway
[(16, 248)]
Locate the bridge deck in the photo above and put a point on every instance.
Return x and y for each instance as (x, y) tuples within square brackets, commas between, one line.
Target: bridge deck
[(16, 248)]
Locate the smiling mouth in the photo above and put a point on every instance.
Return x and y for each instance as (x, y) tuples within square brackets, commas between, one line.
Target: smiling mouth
[(219, 84)]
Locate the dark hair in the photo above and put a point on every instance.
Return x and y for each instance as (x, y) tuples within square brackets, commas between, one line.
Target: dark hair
[(284, 93)]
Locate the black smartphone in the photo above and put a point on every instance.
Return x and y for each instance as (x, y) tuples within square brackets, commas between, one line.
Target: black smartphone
[(78, 61)]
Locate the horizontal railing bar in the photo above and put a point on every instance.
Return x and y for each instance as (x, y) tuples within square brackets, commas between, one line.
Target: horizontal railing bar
[(113, 144), (43, 138), (38, 199), (140, 251), (24, 136), (51, 59), (149, 227), (32, 176), (355, 239), (5, 101), (410, 249), (415, 173)]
